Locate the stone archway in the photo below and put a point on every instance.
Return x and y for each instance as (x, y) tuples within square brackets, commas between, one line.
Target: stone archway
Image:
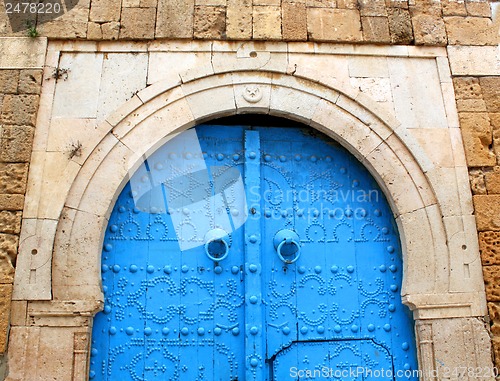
[(442, 278), (388, 153)]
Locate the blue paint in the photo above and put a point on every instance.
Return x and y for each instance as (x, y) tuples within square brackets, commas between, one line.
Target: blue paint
[(184, 300)]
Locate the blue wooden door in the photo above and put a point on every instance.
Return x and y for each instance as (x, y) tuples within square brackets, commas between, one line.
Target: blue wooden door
[(247, 253)]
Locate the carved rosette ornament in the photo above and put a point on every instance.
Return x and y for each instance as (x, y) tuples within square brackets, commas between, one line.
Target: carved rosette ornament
[(252, 94)]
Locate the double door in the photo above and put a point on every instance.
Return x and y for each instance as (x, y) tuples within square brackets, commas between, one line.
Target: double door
[(246, 253)]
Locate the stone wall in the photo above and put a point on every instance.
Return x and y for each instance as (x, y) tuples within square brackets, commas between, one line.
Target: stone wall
[(478, 102), (19, 95), (420, 22)]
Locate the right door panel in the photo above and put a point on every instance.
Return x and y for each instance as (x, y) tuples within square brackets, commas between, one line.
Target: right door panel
[(331, 290)]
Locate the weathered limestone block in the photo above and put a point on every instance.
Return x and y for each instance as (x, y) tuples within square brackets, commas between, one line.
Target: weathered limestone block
[(266, 23), (429, 7), (496, 349), (347, 4), (492, 283), (334, 24), (106, 31), (441, 346), (269, 2), (72, 24), (5, 28), (5, 301), (467, 88), (429, 29), (493, 182), (477, 137), (10, 222), (13, 178), (468, 94), (487, 211), (94, 31), (489, 247), (473, 60), (11, 201), (494, 312), (471, 105), (8, 254), (30, 81), (138, 23), (453, 8), (478, 8), (175, 19), (8, 81), (19, 109), (105, 10), (471, 31), (148, 3), (16, 143), (495, 125), (8, 245), (239, 22), (376, 29), (209, 22), (400, 26), (490, 87), (59, 356), (110, 30), (477, 181), (294, 21), (316, 3), (372, 8), (6, 267), (23, 52)]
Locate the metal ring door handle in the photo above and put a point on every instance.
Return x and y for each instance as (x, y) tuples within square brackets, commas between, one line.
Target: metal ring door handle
[(287, 237), (216, 248), (296, 254)]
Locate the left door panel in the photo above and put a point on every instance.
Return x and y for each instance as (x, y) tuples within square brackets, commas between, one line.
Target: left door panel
[(174, 309)]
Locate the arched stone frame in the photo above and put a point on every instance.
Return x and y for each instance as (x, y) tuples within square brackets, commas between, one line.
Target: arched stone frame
[(376, 139), (373, 135)]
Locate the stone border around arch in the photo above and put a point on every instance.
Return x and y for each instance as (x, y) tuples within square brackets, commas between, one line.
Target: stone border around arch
[(372, 135), (60, 285)]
